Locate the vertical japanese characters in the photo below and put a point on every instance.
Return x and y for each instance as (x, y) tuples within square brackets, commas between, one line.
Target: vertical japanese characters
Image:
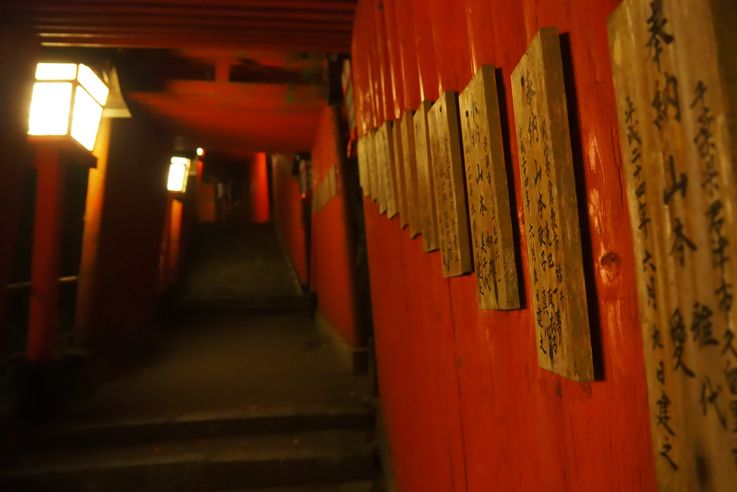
[(448, 181), (488, 194), (559, 300), (677, 152)]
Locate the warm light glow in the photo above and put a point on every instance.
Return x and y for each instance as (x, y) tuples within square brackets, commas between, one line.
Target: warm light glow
[(178, 174), (56, 71), (93, 84), (85, 118), (200, 152), (50, 105)]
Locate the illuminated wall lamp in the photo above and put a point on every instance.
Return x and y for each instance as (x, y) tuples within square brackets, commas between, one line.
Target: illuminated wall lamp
[(178, 174), (67, 101)]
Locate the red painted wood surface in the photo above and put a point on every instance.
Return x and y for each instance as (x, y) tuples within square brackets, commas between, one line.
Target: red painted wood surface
[(91, 236), (259, 189), (467, 407), (133, 220), (44, 306), (239, 118), (333, 267), (288, 214), (294, 24)]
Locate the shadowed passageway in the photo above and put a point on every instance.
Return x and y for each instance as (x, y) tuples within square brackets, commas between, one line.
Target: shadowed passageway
[(238, 267), (229, 400)]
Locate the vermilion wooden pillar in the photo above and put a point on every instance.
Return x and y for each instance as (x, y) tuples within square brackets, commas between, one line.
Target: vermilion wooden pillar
[(44, 305), (163, 274), (259, 189), (84, 314), (175, 234), (171, 244)]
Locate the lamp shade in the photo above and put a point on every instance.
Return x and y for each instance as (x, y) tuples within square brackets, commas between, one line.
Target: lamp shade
[(178, 174), (67, 100)]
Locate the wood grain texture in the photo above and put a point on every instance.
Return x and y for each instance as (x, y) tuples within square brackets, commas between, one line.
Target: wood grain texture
[(373, 165), (449, 186), (559, 300), (488, 193), (381, 158), (425, 181), (362, 164), (398, 172), (675, 96), (411, 185), (387, 185)]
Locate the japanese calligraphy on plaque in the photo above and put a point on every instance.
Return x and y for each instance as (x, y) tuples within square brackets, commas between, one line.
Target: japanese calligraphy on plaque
[(674, 96), (425, 186), (448, 181), (409, 160), (398, 168), (488, 194), (559, 302), (385, 171)]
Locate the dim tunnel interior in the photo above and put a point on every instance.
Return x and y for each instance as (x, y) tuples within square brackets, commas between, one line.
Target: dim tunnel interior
[(178, 342), (237, 388), (368, 245)]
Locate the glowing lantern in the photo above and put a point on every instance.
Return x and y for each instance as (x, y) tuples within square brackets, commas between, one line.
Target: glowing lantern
[(67, 101), (178, 174)]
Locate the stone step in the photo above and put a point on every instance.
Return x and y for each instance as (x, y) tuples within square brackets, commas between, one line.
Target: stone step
[(203, 425), (234, 463)]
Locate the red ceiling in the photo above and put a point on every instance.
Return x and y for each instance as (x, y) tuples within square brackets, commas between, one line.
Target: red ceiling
[(228, 116)]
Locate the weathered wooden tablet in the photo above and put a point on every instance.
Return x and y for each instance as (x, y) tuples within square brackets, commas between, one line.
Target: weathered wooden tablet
[(425, 181), (554, 256), (450, 193), (675, 77), (411, 185), (488, 194)]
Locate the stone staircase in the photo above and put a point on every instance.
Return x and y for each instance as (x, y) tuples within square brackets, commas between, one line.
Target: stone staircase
[(308, 449), (241, 393)]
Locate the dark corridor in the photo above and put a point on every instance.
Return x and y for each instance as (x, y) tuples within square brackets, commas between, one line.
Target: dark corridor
[(240, 391)]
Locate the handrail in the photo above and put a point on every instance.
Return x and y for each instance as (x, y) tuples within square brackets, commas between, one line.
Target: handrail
[(27, 285)]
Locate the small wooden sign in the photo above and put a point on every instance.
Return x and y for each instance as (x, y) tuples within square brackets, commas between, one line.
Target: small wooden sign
[(559, 302), (488, 193), (387, 187), (675, 76), (396, 136), (425, 181), (450, 194), (362, 164), (332, 182), (373, 162), (381, 151), (409, 161)]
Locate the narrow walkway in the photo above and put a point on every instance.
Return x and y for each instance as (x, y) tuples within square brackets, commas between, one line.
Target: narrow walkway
[(232, 362), (234, 399), (237, 267)]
